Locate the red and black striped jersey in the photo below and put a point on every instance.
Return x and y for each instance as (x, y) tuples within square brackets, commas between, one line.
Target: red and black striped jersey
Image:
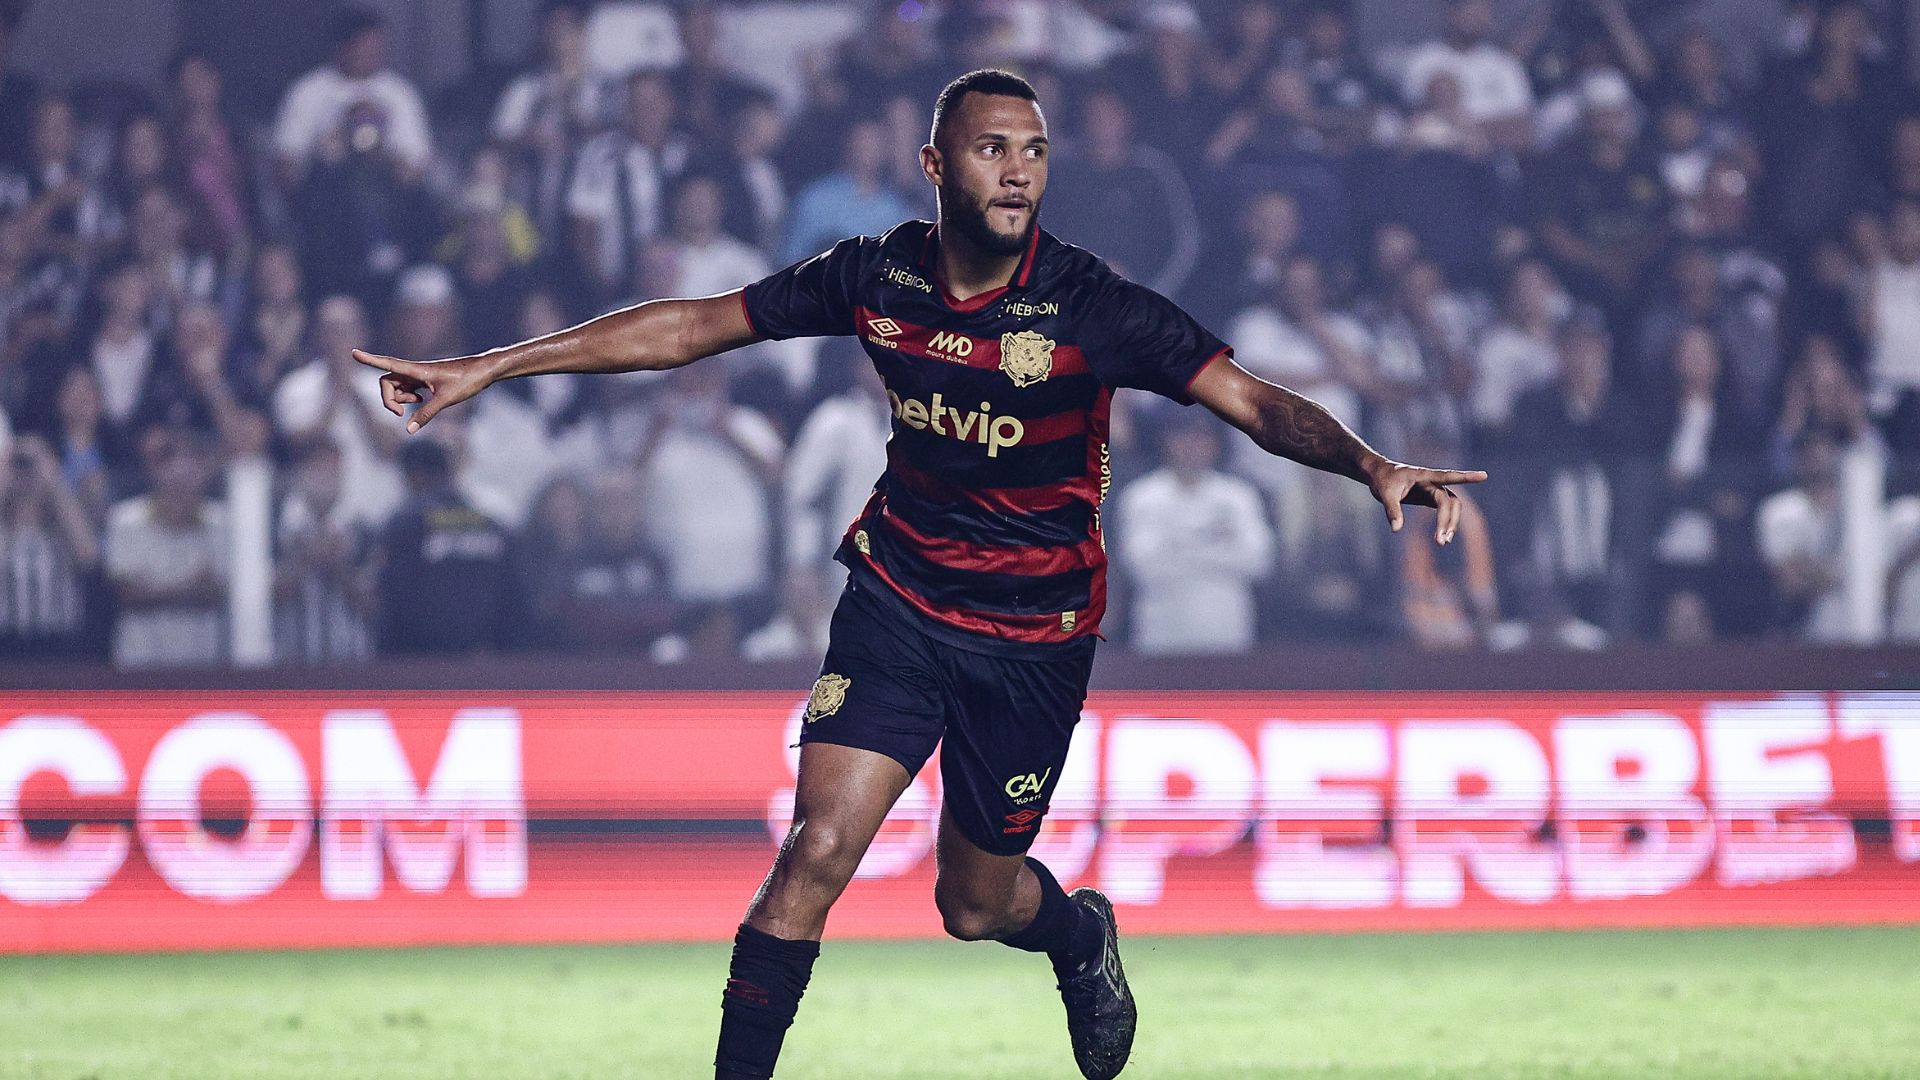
[(987, 518)]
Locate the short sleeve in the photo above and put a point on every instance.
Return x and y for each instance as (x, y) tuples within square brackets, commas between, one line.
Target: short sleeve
[(813, 298), (1145, 341)]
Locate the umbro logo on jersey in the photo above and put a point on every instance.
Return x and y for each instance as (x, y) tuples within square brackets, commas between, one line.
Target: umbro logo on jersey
[(882, 331)]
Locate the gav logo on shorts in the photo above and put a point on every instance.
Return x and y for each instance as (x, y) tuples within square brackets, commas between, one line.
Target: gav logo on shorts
[(1027, 787), (1026, 356), (829, 693)]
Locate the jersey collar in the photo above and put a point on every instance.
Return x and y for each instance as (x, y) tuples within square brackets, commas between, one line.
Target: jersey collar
[(1022, 274)]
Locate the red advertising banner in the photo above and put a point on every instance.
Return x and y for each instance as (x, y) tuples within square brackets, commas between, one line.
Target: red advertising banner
[(236, 819)]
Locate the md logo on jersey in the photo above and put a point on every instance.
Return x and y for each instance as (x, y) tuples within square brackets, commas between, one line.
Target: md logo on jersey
[(951, 347), (1026, 356)]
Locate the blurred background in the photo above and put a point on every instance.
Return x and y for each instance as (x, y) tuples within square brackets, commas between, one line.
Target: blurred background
[(1654, 265)]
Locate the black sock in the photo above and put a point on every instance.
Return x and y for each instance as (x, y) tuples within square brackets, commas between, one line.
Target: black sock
[(764, 984), (1068, 933)]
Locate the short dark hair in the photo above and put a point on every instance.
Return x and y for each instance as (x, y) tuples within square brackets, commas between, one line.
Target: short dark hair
[(351, 22), (990, 81)]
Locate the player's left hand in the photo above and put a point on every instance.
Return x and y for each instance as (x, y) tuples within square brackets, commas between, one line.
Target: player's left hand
[(1394, 483)]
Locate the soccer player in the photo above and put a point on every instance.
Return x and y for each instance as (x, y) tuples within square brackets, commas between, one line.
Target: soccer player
[(977, 568)]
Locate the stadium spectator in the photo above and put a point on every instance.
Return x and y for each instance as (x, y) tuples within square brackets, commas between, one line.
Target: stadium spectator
[(1271, 143), (1744, 335), (1265, 241), (1813, 536), (85, 446), (1448, 598), (48, 552), (18, 91), (274, 323), (1494, 87), (492, 251), (546, 113), (1170, 95), (39, 296), (706, 477), (1599, 207), (856, 199), (1254, 40), (324, 601), (1827, 112), (828, 475), (325, 397), (353, 147), (1125, 200), (1195, 541), (1711, 471), (1518, 353), (166, 555), (753, 183), (1418, 336), (354, 103), (442, 584), (1579, 431), (1890, 324), (140, 162), (586, 579), (709, 93), (180, 274), (57, 199), (211, 154), (1347, 95), (618, 199)]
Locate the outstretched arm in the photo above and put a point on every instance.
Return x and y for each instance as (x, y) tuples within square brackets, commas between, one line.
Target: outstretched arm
[(653, 336), (1285, 423)]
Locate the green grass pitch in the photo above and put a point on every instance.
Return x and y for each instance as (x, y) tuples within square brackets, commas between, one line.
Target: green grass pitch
[(1737, 1005)]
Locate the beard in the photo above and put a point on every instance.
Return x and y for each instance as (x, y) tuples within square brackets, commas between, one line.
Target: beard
[(968, 217)]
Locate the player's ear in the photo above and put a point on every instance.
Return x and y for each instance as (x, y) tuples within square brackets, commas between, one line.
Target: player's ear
[(930, 164)]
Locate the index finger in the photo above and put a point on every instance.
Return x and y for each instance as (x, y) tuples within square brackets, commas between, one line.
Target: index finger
[(1456, 476), (384, 363)]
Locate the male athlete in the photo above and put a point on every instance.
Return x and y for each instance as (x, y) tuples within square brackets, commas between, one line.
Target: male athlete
[(977, 567)]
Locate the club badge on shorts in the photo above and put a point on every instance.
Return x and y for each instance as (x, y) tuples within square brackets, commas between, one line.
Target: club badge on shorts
[(829, 693), (1026, 357)]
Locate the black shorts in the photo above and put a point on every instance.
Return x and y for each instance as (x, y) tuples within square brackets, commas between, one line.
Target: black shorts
[(889, 687)]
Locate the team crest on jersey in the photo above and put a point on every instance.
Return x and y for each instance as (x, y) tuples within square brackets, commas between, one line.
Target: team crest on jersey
[(1026, 357), (829, 693)]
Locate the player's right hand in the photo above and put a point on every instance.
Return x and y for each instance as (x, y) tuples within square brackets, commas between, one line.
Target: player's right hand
[(433, 385)]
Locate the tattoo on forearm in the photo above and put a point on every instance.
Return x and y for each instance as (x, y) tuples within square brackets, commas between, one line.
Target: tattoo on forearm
[(1302, 429)]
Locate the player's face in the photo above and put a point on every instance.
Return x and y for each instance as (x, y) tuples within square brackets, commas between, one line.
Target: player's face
[(991, 170)]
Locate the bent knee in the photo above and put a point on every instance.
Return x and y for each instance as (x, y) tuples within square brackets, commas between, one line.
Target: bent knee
[(968, 919)]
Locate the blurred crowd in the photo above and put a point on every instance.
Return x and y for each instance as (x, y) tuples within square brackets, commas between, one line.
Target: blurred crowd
[(1654, 266)]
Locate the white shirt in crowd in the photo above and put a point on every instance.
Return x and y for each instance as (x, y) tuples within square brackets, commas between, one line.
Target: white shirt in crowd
[(507, 456), (830, 472), (708, 514), (1508, 363), (1896, 326), (607, 162), (1853, 541), (141, 548), (532, 97), (1194, 553), (306, 404), (1493, 84), (317, 104)]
